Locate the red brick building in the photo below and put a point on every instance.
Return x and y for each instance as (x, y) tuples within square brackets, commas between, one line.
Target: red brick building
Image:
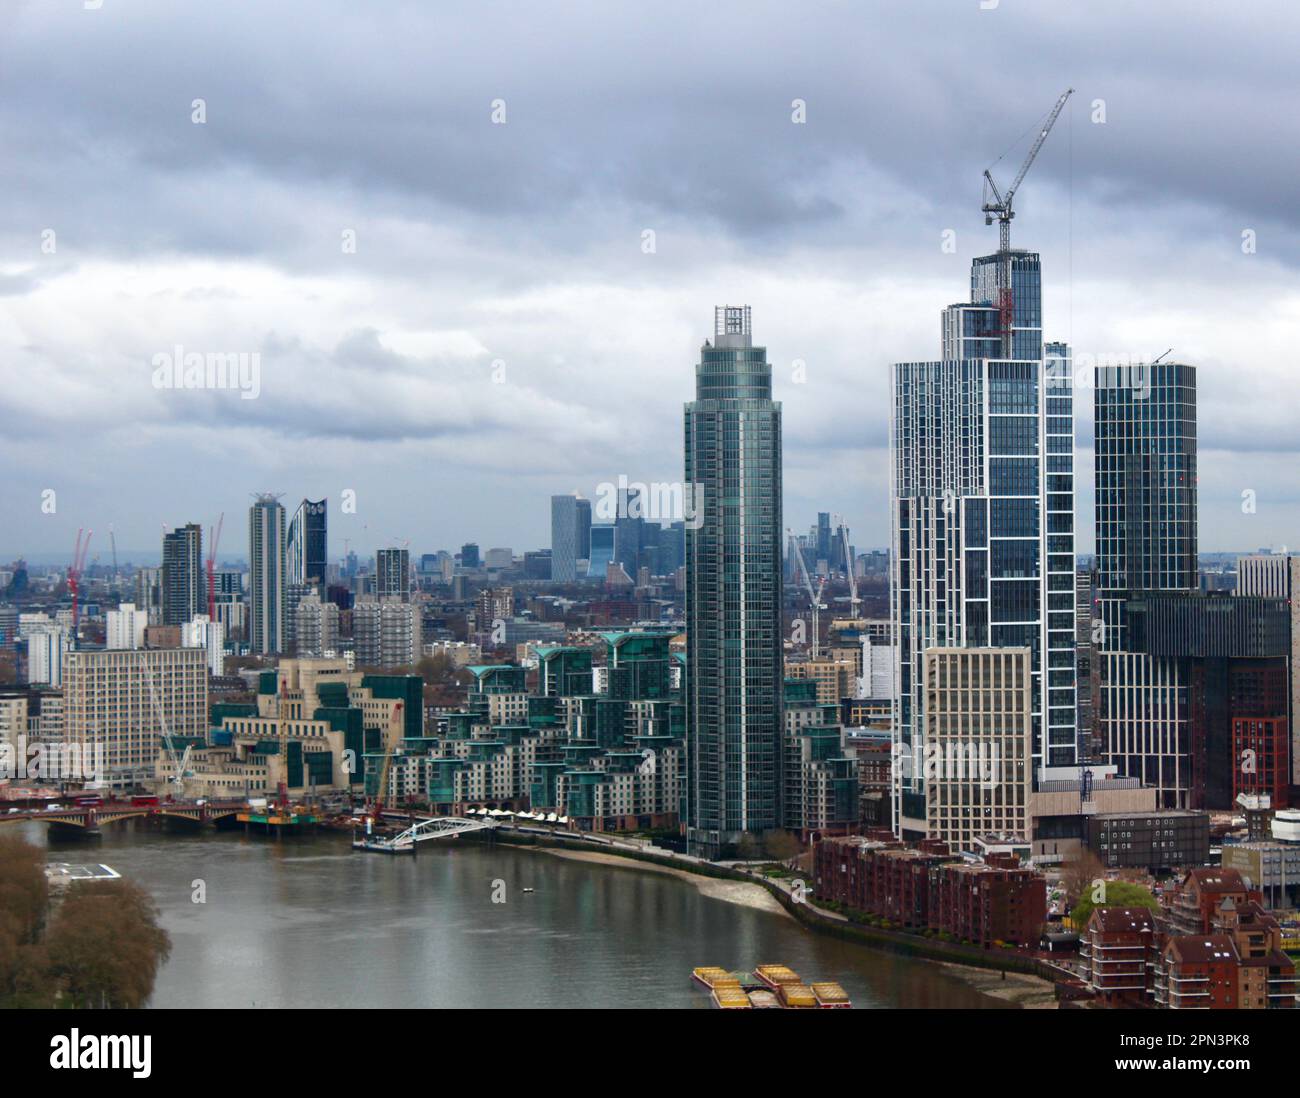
[(1240, 966), (1261, 748), (998, 901), (1191, 909), (1118, 950), (929, 888)]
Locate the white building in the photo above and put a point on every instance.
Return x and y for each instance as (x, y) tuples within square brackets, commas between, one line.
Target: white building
[(45, 651), (126, 627), (201, 632)]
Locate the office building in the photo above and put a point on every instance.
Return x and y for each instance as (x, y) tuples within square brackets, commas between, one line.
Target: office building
[(735, 680), (570, 536), (266, 589), (113, 698), (602, 550)]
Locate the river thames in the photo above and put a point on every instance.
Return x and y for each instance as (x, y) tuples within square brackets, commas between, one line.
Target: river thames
[(309, 923)]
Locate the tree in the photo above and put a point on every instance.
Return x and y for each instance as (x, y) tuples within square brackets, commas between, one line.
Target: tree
[(1113, 894), (780, 845), (1079, 873), (106, 946)]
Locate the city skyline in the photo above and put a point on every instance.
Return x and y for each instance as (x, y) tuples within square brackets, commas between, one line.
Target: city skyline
[(376, 364)]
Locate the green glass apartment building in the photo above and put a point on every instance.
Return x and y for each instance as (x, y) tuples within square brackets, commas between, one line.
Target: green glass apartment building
[(734, 705)]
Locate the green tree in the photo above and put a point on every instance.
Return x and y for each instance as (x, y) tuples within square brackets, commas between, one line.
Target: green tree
[(1114, 894)]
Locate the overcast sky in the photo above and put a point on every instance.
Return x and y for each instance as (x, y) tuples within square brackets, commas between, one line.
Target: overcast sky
[(501, 333)]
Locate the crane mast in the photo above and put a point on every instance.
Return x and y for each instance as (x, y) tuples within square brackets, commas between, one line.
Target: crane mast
[(814, 597), (997, 204)]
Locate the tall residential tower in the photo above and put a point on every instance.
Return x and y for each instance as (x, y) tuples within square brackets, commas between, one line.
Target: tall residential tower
[(733, 592), (266, 586), (982, 500)]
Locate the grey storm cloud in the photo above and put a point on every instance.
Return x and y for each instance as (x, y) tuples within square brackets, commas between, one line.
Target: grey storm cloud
[(522, 243)]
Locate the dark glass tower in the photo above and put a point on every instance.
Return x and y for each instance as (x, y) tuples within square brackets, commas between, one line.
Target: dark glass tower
[(183, 592), (306, 545), (1145, 424), (733, 592), (1146, 486)]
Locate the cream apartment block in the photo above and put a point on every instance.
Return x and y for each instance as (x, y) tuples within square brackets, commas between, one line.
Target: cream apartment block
[(977, 749)]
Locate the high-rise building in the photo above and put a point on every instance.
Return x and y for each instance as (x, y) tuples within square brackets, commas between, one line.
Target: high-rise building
[(1145, 428), (307, 545), (387, 633), (982, 453), (469, 559), (630, 529), (317, 627), (393, 574), (266, 589), (1277, 575), (570, 536), (976, 750), (602, 550), (148, 593), (125, 627), (735, 702), (183, 590), (202, 632), (47, 648), (112, 698)]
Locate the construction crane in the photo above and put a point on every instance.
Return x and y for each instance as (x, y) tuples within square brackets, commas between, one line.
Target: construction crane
[(815, 598), (381, 790), (998, 204), (112, 540), (74, 577), (282, 726), (214, 536), (179, 762), (854, 600)]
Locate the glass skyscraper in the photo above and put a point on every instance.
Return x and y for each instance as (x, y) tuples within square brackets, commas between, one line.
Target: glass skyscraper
[(306, 545), (1145, 426), (570, 536), (982, 466), (733, 592), (266, 581)]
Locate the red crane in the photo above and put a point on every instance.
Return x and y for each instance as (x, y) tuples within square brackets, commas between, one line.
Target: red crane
[(214, 536), (74, 576)]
